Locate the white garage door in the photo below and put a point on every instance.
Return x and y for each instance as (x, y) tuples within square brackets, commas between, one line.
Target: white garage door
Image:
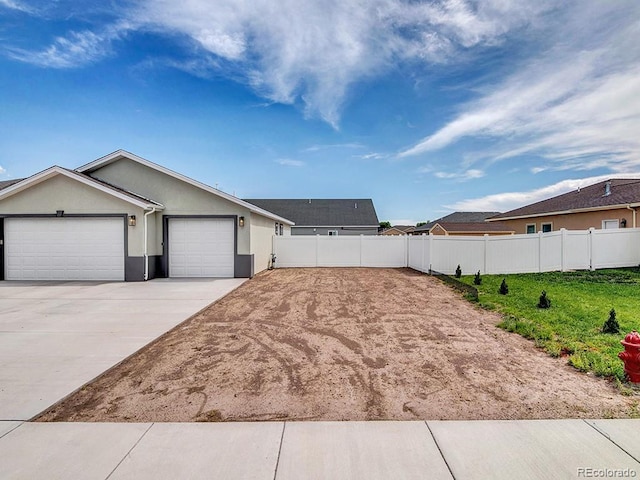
[(64, 248), (201, 247)]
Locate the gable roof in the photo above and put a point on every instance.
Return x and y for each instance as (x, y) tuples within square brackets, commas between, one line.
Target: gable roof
[(397, 230), (7, 183), (457, 217), (474, 227), (351, 212), (622, 192), (51, 172), (120, 154)]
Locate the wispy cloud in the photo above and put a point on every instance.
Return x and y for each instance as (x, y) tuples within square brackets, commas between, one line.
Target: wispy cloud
[(15, 5), (372, 156), (464, 176), (577, 104), (310, 50), (288, 162), (74, 50), (503, 202), (317, 148), (2, 170)]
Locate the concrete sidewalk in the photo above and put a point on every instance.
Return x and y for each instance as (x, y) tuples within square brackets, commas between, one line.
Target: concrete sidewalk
[(57, 336), (526, 449)]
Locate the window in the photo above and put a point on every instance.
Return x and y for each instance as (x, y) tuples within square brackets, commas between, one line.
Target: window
[(546, 227), (281, 229), (531, 228), (610, 224), (333, 232)]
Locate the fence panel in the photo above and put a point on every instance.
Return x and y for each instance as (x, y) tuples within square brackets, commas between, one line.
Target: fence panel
[(448, 252), (560, 250), (615, 248)]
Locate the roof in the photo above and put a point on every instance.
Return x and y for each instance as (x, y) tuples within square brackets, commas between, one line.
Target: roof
[(120, 154), (51, 172), (351, 212), (457, 217), (622, 192), (475, 227), (405, 228), (8, 183)]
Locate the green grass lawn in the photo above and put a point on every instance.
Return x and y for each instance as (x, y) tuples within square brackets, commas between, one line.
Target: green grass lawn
[(580, 304)]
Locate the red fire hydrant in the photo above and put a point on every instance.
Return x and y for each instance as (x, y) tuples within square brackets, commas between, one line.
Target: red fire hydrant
[(631, 356)]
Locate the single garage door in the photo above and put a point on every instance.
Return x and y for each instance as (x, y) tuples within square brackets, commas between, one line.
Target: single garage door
[(64, 248), (201, 247)]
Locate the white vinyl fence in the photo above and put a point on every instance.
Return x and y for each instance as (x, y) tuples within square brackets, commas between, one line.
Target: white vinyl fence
[(543, 252)]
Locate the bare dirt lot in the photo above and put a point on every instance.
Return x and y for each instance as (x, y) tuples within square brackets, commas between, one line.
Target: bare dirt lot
[(342, 344)]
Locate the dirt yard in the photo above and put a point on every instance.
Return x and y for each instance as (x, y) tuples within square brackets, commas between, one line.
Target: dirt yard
[(342, 344)]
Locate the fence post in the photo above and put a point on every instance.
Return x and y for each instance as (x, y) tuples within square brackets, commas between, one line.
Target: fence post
[(563, 244), (591, 232), (406, 250), (361, 248), (317, 240), (540, 251), (486, 246), (430, 251)]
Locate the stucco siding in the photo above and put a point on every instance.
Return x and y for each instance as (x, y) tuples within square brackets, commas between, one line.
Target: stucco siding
[(62, 193), (574, 221), (262, 232), (178, 197)]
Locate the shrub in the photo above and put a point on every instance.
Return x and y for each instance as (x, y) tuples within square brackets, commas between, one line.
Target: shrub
[(544, 301), (477, 280), (611, 325), (504, 289), (458, 272)]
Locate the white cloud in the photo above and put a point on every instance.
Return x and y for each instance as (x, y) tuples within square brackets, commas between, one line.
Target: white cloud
[(309, 50), (317, 148), (577, 103), (290, 163), (15, 5), (503, 202), (2, 170), (74, 50), (460, 176)]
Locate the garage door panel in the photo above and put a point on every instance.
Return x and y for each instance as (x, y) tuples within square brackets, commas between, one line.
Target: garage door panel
[(64, 249), (201, 247)]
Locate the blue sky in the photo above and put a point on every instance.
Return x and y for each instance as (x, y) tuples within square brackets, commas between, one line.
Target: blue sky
[(425, 107)]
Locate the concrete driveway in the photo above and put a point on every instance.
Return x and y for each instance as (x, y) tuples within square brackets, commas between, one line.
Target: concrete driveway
[(57, 336)]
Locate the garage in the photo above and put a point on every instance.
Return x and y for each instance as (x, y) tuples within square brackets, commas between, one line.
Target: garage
[(201, 247), (64, 248)]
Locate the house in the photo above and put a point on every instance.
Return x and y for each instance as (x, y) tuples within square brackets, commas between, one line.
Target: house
[(612, 203), (465, 223), (122, 217), (399, 230), (325, 216)]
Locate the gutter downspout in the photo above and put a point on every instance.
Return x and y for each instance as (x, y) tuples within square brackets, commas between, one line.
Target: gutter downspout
[(146, 244), (634, 214)]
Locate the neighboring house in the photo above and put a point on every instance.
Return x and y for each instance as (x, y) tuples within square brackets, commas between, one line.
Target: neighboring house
[(609, 204), (122, 217), (470, 228), (464, 223), (325, 216), (399, 230)]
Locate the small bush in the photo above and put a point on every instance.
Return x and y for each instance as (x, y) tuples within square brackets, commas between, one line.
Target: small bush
[(477, 280), (458, 272), (504, 289), (611, 325), (544, 301)]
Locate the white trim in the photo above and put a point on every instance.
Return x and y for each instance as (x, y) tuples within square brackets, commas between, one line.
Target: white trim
[(566, 212), (55, 170), (542, 224), (610, 220), (526, 228), (118, 154)]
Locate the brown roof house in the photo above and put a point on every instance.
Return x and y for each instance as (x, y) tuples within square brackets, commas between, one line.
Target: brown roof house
[(609, 204), (399, 230), (465, 223)]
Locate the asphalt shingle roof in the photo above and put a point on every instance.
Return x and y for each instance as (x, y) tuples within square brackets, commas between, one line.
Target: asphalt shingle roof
[(458, 217), (322, 212), (8, 183), (475, 227), (622, 192)]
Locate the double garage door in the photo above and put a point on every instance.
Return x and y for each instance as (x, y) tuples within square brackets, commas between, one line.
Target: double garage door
[(64, 248)]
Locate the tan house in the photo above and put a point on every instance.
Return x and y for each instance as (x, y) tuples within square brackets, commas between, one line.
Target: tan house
[(609, 204), (399, 230), (470, 228)]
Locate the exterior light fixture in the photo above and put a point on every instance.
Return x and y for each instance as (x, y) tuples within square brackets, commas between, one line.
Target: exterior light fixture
[(132, 220), (623, 223), (59, 213), (241, 221)]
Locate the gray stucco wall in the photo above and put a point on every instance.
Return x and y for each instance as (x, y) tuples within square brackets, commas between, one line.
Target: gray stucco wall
[(63, 193)]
